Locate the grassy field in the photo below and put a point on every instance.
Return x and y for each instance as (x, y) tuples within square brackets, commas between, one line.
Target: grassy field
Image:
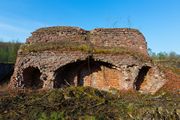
[(85, 103)]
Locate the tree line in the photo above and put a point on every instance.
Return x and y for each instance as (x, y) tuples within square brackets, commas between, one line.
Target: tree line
[(171, 59), (8, 51)]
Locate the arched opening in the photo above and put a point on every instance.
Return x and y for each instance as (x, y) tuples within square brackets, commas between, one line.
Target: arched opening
[(73, 74), (31, 76), (141, 77), (65, 75)]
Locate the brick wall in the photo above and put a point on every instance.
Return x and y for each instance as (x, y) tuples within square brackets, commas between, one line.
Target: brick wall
[(55, 34), (104, 37), (119, 37)]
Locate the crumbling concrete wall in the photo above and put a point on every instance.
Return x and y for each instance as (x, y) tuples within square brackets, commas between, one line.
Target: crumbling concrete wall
[(56, 68)]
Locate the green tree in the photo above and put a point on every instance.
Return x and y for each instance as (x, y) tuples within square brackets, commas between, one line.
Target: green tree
[(8, 51)]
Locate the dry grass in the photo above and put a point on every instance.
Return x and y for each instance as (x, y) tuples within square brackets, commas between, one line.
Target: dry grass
[(88, 103), (172, 74), (74, 46)]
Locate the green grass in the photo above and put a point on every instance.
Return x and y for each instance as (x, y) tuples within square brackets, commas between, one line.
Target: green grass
[(169, 64), (89, 104), (8, 51), (39, 47), (74, 46)]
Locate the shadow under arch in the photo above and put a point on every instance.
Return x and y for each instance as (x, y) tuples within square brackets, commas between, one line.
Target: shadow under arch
[(31, 78), (141, 77), (73, 74)]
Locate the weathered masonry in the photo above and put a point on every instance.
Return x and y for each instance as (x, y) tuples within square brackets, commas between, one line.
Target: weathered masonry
[(104, 58)]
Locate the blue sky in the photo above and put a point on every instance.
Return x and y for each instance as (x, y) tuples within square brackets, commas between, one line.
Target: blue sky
[(158, 20)]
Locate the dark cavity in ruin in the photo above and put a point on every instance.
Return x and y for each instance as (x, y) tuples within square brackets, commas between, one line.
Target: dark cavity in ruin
[(141, 77), (31, 77), (73, 74), (6, 71)]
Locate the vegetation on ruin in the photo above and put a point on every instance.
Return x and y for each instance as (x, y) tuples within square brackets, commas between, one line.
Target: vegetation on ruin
[(88, 103), (74, 46)]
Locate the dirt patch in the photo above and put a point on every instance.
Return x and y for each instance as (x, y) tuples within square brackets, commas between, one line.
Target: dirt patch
[(173, 82)]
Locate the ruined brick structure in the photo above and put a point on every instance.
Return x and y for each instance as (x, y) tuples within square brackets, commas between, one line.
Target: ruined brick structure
[(57, 57)]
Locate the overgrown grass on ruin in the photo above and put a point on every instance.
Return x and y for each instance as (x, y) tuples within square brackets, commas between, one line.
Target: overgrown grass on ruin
[(69, 46)]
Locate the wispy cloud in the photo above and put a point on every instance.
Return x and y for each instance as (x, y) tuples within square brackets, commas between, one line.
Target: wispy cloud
[(9, 32), (17, 29), (9, 27)]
